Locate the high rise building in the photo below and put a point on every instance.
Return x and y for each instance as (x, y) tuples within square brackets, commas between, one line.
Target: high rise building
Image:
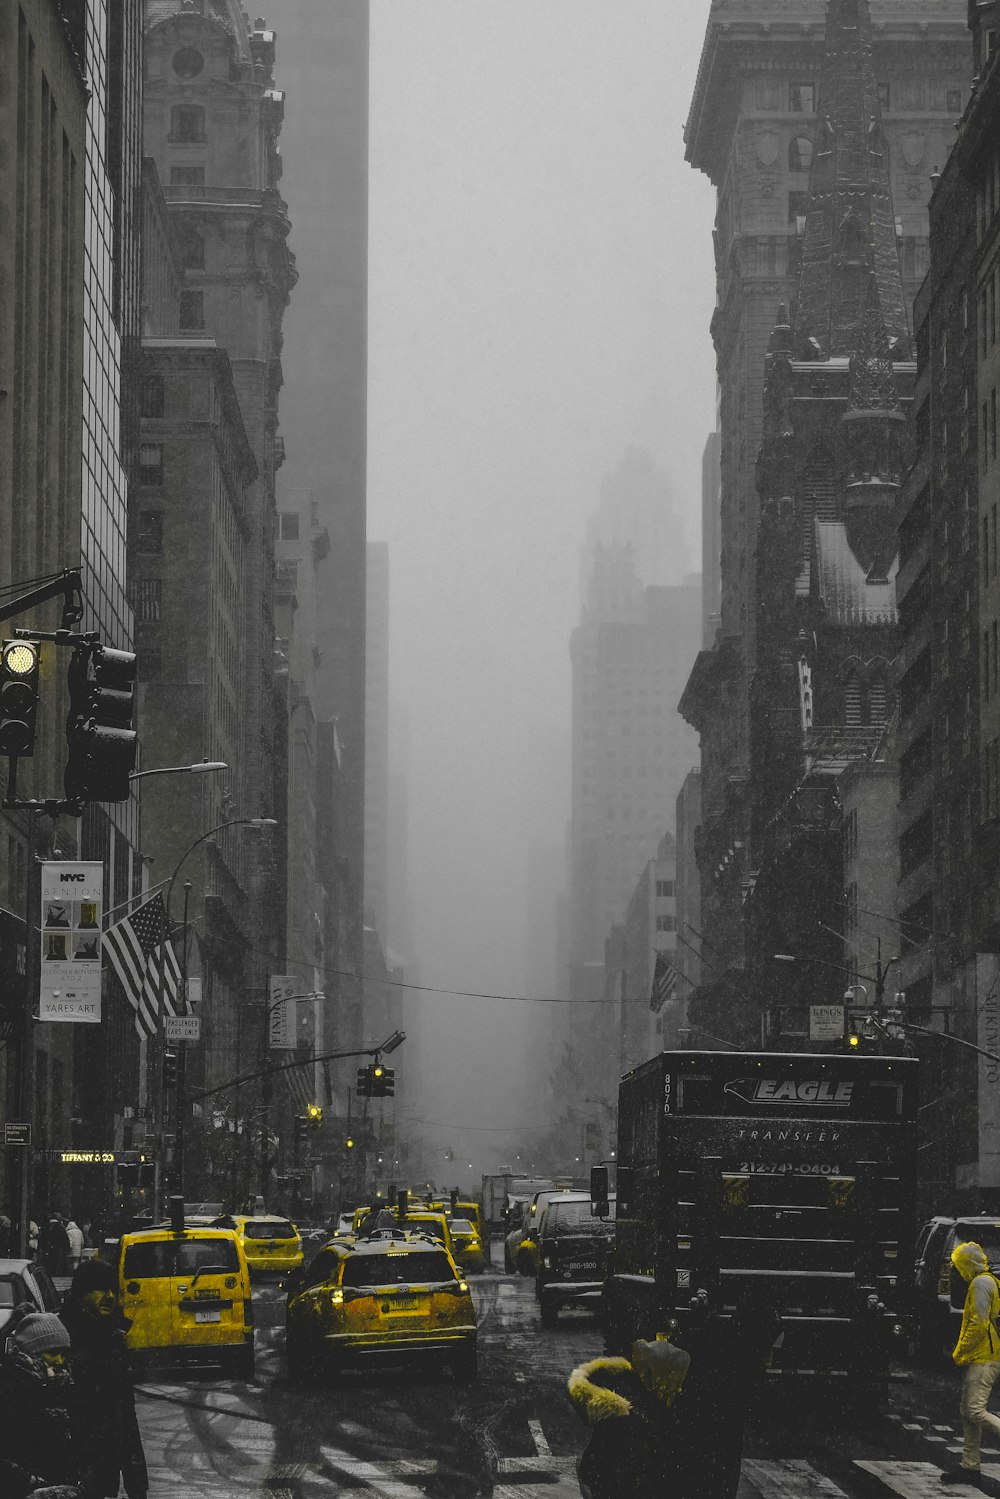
[(324, 58), (711, 539), (948, 671), (753, 129), (210, 441)]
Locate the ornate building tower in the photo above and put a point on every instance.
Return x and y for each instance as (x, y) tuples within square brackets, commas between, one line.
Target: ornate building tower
[(838, 379), (754, 127)]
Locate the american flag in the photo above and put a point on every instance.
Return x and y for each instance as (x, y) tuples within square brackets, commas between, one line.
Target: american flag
[(665, 977), (136, 947)]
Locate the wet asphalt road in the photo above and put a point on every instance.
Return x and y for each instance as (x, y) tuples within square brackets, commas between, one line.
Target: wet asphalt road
[(402, 1433)]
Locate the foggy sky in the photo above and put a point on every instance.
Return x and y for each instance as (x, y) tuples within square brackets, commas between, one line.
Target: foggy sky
[(540, 292)]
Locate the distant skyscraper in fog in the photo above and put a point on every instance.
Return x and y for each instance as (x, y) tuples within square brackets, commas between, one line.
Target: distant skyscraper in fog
[(711, 539), (377, 738), (637, 509), (631, 750)]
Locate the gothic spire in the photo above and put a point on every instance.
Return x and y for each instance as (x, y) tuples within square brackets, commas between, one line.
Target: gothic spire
[(850, 234)]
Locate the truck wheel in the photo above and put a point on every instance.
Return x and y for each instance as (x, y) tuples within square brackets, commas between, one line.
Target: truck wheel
[(549, 1310)]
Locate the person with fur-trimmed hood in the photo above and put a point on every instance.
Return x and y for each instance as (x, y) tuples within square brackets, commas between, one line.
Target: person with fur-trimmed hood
[(105, 1428), (637, 1447), (36, 1445)]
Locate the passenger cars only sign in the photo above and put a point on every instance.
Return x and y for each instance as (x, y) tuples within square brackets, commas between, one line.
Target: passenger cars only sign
[(72, 907)]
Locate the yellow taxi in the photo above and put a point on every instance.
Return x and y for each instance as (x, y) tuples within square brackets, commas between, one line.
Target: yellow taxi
[(468, 1251), (459, 1208), (388, 1298), (269, 1242), (187, 1297), (433, 1225)]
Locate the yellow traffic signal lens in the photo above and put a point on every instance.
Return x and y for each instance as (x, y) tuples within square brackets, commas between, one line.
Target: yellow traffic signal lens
[(854, 1040), (350, 1143), (20, 658), (378, 1072)]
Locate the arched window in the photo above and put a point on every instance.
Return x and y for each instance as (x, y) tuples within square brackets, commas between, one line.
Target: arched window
[(800, 154), (852, 703), (878, 702)]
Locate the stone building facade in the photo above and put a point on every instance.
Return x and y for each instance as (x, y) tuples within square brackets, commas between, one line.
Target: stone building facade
[(949, 599), (752, 128)]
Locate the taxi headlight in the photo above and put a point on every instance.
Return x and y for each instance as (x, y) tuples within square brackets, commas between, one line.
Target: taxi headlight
[(463, 1285), (337, 1297)]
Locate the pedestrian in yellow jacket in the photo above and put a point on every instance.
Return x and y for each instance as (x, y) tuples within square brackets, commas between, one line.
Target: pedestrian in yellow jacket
[(978, 1353)]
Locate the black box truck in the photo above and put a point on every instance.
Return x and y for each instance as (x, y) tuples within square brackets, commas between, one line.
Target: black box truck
[(787, 1177)]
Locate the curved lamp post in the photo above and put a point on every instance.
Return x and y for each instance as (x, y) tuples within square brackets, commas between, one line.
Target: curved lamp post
[(178, 1174)]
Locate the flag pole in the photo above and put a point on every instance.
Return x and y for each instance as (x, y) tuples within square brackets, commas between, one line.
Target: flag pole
[(158, 1090)]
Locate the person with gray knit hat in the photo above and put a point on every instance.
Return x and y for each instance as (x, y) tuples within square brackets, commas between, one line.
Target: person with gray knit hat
[(36, 1437), (102, 1412)]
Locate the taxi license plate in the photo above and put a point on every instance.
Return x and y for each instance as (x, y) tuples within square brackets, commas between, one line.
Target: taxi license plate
[(208, 1316), (582, 1265), (403, 1304)]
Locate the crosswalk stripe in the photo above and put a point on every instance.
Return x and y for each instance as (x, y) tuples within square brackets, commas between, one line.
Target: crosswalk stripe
[(914, 1480), (789, 1478)]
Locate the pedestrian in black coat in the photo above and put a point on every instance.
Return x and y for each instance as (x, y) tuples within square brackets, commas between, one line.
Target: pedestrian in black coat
[(640, 1442), (36, 1445), (102, 1413)]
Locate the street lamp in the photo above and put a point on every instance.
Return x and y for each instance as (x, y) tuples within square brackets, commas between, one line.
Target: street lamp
[(201, 767), (257, 822), (877, 978)]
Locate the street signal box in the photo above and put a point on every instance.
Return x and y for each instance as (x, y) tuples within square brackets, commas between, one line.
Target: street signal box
[(301, 1129), (102, 743), (170, 1069), (19, 662)]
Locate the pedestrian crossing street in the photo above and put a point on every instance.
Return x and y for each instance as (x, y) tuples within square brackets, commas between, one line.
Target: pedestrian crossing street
[(225, 1450)]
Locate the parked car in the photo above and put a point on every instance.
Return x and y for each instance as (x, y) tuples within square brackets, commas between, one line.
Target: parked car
[(939, 1290), (574, 1247), (25, 1281), (388, 1298), (187, 1297)]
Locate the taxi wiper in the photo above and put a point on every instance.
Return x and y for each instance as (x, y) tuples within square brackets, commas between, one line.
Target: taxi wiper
[(207, 1270)]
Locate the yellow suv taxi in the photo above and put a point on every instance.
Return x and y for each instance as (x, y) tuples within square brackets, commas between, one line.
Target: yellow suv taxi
[(269, 1243), (390, 1297), (187, 1296)]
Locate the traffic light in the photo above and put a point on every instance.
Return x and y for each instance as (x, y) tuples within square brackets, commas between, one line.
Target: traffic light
[(102, 742), (381, 1081), (364, 1082), (314, 1114), (170, 1069), (349, 1142), (301, 1129), (19, 661)]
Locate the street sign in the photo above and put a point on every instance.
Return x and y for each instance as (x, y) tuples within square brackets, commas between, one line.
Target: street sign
[(182, 1027), (281, 1012), (16, 1134), (826, 1022)]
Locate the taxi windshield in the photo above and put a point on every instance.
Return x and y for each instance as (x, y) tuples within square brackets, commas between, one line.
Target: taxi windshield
[(400, 1268), (6, 1293), (179, 1257), (261, 1230)]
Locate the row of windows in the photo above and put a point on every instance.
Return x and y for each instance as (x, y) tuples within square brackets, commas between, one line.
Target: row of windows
[(664, 889), (665, 923), (990, 669), (988, 442), (991, 780), (988, 298)]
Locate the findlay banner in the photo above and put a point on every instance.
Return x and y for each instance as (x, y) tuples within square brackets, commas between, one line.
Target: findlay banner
[(988, 1036), (70, 969)]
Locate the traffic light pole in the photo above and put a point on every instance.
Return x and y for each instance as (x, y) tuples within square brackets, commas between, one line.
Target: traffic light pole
[(26, 1048), (182, 1059), (266, 1091)]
